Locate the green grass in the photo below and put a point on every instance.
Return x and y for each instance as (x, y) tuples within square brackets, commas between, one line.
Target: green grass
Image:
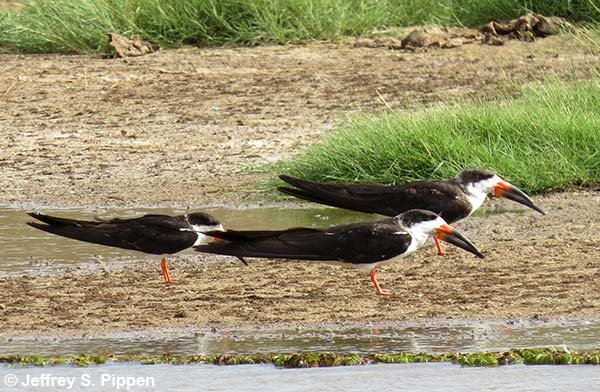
[(545, 356), (589, 35), (546, 139), (80, 26)]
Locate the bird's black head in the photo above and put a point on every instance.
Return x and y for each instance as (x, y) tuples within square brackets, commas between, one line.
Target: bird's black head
[(472, 176), (201, 219), (421, 224), (478, 183), (412, 217)]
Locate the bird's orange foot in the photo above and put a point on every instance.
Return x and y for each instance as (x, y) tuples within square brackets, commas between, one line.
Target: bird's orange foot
[(383, 293), (439, 248), (378, 289), (165, 271)]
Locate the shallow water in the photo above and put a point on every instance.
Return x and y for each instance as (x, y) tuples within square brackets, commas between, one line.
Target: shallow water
[(266, 378), (28, 251), (433, 338), (24, 249)]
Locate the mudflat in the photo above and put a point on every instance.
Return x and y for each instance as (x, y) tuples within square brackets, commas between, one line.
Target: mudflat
[(184, 127)]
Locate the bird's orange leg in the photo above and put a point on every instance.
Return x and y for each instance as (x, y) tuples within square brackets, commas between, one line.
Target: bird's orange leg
[(439, 248), (378, 289), (165, 271)]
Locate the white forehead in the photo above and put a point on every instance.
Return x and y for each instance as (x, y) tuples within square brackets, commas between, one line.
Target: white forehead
[(202, 238), (483, 186), (426, 227), (203, 228)]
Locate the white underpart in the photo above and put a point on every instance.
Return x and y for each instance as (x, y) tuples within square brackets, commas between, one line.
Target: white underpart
[(203, 238), (477, 191), (364, 268)]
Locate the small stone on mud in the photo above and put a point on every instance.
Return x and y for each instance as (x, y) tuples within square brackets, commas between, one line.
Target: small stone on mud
[(2, 307), (129, 47), (379, 42), (526, 28), (130, 135), (424, 37), (453, 43)]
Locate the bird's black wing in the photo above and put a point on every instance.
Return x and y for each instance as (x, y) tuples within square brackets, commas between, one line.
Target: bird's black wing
[(356, 243), (445, 198), (156, 234), (442, 197)]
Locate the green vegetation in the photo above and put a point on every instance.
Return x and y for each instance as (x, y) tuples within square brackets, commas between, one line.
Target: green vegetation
[(81, 26), (546, 356), (547, 139)]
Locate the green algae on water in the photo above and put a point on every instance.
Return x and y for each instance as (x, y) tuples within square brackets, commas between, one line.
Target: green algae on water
[(537, 356)]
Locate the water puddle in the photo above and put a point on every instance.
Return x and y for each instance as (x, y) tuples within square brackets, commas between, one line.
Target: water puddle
[(435, 338), (27, 250)]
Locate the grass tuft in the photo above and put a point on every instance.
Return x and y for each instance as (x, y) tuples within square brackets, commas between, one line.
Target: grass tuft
[(81, 26), (547, 139)]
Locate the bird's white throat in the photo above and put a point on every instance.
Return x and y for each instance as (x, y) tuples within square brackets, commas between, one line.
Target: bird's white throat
[(203, 239), (420, 233), (477, 191)]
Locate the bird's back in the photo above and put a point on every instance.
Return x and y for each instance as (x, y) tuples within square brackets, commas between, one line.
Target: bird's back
[(444, 197), (155, 234)]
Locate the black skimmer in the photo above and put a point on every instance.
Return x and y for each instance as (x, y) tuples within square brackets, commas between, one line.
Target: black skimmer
[(363, 245), (453, 199), (154, 234)]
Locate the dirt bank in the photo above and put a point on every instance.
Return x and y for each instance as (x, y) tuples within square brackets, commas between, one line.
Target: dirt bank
[(180, 127)]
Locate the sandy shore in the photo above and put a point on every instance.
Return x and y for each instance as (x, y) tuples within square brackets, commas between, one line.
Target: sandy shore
[(536, 267), (182, 127)]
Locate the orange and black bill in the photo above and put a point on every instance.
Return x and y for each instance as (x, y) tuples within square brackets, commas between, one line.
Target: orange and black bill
[(511, 192), (448, 234)]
